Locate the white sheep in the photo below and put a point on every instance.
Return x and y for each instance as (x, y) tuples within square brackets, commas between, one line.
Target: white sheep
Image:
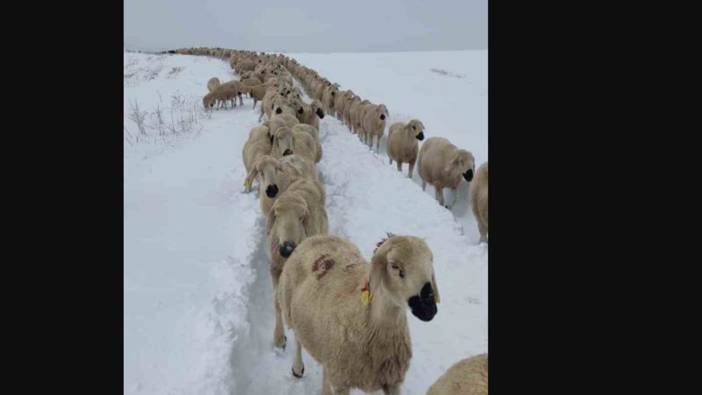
[(297, 214), (276, 175), (442, 164), (350, 316), (479, 200), (373, 123), (466, 377), (403, 143), (287, 142), (213, 83)]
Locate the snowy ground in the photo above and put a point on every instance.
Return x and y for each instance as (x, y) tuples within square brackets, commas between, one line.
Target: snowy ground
[(198, 312)]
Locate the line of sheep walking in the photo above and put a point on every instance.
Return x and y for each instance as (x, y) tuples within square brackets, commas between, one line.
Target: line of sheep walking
[(348, 314), (439, 162)]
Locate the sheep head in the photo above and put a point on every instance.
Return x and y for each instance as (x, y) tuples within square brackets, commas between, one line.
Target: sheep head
[(282, 142), (286, 224), (403, 267), (461, 164)]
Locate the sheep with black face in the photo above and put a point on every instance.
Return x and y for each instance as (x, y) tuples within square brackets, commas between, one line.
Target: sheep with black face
[(403, 143), (276, 175), (444, 165), (296, 215), (350, 316)]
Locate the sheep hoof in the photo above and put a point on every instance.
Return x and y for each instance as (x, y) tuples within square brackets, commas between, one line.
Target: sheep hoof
[(282, 343), (299, 376)]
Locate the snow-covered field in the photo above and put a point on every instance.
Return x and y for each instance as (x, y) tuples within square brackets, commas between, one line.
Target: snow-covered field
[(198, 315)]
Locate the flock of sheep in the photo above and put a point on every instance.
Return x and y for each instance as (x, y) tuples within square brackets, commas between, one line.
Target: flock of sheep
[(347, 313)]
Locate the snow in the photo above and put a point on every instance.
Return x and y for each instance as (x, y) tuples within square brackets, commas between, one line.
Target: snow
[(198, 314)]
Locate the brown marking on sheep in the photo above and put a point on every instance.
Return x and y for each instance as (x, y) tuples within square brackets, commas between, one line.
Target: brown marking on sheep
[(322, 264)]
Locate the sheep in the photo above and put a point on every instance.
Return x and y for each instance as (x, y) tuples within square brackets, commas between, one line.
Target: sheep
[(303, 127), (339, 101), (237, 86), (346, 112), (328, 97), (402, 143), (442, 164), (355, 114), (312, 131), (287, 142), (272, 97), (284, 119), (244, 65), (466, 377), (297, 214), (213, 83), (373, 123), (257, 92), (479, 199), (258, 144), (276, 175), (312, 113), (261, 131), (350, 315), (221, 95)]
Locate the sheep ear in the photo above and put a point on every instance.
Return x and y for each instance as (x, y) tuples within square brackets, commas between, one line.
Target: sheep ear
[(435, 288), (306, 219), (250, 177), (380, 254)]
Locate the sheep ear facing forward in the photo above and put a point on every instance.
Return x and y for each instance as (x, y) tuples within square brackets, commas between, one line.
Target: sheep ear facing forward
[(250, 177)]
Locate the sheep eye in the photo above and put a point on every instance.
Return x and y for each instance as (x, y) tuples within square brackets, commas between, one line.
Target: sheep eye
[(401, 272), (414, 127)]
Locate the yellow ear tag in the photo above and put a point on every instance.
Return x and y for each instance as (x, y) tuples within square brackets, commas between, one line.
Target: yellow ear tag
[(366, 296), (247, 184)]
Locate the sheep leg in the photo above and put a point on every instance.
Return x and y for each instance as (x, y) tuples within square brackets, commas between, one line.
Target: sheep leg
[(455, 196), (411, 168), (399, 166), (483, 232), (482, 228), (279, 339), (390, 159), (298, 368), (424, 185), (440, 195), (377, 146)]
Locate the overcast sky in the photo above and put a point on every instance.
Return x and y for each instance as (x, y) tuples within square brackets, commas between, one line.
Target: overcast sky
[(306, 25)]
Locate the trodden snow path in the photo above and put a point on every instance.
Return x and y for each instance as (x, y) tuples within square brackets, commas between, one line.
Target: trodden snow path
[(198, 296)]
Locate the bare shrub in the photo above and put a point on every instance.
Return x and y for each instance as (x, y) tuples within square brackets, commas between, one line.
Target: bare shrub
[(137, 116)]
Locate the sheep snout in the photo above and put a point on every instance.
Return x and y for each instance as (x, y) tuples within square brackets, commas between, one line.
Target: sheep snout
[(382, 116), (420, 136), (320, 113), (468, 175), (287, 248), (271, 191), (423, 306)]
